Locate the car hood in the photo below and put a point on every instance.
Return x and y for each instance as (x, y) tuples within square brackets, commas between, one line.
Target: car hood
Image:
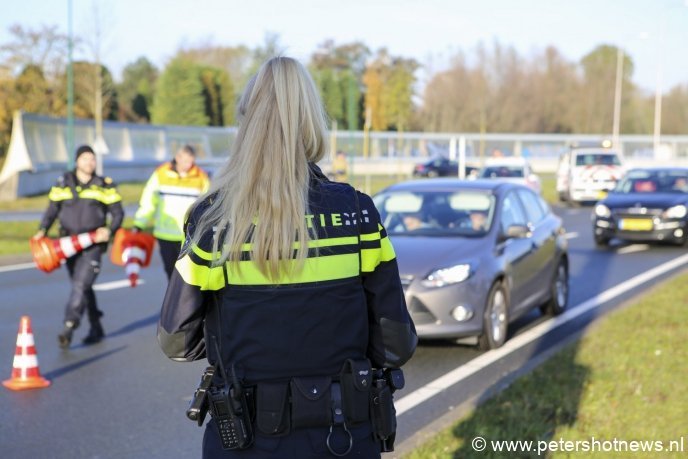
[(649, 200), (418, 256)]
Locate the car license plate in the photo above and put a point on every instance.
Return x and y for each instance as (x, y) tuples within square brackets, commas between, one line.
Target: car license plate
[(636, 224)]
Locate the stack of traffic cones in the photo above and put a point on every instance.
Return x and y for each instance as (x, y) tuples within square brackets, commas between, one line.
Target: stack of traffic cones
[(133, 251), (48, 253), (25, 372)]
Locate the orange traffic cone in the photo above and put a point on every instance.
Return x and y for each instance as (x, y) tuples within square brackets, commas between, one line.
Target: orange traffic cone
[(25, 372), (48, 253), (133, 251)]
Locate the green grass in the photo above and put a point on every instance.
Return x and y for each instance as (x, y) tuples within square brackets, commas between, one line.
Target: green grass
[(624, 379), (131, 192), (549, 187), (15, 235)]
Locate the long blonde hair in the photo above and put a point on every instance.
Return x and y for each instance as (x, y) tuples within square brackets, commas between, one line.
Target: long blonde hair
[(260, 195)]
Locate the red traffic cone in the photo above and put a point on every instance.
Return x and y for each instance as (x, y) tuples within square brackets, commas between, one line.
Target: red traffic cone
[(133, 251), (48, 253), (25, 372)]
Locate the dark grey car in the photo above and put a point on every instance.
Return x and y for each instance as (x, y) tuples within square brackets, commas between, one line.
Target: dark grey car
[(475, 255)]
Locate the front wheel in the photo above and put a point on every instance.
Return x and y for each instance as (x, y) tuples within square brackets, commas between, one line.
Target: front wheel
[(601, 241), (559, 291), (495, 319)]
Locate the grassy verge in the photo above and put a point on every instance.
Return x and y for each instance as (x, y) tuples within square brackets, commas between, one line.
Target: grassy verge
[(15, 235), (549, 188), (625, 379), (131, 192)]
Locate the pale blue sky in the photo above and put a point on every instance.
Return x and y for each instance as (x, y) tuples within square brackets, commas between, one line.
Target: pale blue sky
[(428, 30)]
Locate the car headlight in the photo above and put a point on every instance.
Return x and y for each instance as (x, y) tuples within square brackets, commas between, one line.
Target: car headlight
[(447, 276), (676, 212), (602, 211)]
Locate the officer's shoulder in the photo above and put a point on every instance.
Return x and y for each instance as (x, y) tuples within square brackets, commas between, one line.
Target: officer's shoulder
[(107, 182), (336, 187), (200, 207)]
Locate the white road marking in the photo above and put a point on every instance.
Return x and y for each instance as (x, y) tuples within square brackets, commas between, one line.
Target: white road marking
[(633, 248), (100, 287), (462, 372), (116, 284), (571, 235), (18, 267)]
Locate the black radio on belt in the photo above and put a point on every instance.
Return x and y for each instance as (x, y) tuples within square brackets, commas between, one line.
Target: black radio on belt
[(229, 408), (230, 412)]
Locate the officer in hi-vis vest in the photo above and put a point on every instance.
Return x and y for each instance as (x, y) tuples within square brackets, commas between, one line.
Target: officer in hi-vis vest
[(81, 200), (165, 200), (288, 284)]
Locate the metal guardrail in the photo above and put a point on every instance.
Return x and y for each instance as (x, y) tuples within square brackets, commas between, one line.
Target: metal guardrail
[(37, 152)]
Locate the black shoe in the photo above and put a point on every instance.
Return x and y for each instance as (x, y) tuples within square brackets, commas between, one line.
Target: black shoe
[(65, 338), (95, 335)]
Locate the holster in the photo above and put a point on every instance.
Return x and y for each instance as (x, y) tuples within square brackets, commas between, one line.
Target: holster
[(383, 414)]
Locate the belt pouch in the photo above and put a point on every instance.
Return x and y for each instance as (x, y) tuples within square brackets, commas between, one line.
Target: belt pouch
[(356, 379), (310, 402), (272, 412)]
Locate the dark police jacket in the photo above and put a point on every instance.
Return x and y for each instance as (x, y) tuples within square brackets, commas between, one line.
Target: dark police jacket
[(83, 207), (309, 324)]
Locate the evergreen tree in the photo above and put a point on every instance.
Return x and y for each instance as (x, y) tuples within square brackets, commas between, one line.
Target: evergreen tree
[(179, 96)]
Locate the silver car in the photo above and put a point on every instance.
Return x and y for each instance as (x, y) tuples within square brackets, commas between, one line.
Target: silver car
[(475, 255)]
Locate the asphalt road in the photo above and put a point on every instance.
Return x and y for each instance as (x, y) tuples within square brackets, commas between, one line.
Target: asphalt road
[(123, 399)]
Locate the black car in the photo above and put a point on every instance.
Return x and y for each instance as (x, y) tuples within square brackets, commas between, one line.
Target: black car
[(646, 205), (441, 167)]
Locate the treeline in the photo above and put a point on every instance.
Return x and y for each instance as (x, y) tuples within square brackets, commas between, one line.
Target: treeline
[(491, 89)]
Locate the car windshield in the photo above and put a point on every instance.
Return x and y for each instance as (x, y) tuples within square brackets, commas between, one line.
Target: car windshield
[(643, 181), (597, 159), (436, 213), (502, 172)]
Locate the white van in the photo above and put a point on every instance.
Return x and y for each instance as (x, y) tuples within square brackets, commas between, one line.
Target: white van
[(588, 174)]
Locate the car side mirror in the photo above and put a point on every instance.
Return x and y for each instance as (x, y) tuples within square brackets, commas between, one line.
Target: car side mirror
[(517, 232)]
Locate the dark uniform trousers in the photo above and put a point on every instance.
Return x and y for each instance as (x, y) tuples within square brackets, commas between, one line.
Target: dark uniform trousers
[(83, 269), (299, 444), (169, 252)]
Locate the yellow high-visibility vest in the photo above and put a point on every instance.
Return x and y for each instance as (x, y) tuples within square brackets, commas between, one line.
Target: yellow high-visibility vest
[(166, 199)]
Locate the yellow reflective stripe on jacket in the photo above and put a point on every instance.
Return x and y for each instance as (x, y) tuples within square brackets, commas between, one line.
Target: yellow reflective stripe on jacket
[(105, 195), (205, 277), (60, 193), (201, 253), (321, 268), (316, 269), (372, 257), (312, 244)]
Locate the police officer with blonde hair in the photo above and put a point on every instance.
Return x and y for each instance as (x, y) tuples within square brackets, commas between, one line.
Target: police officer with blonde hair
[(289, 286)]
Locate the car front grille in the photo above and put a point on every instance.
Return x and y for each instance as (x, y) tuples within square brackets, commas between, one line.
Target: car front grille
[(637, 212), (420, 313)]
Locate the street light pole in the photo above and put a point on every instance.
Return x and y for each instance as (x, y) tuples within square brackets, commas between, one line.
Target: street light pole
[(70, 90), (617, 98)]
